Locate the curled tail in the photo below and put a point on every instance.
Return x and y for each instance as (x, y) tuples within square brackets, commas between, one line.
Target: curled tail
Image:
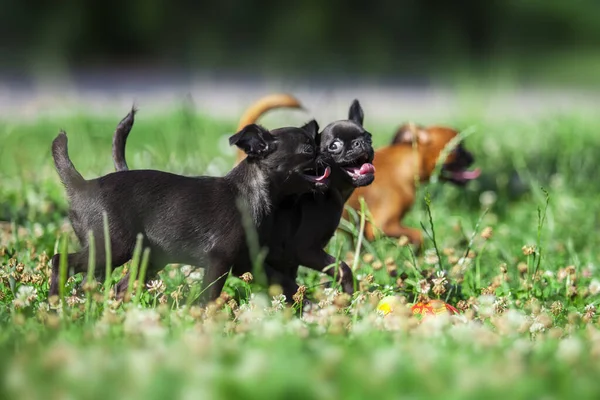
[(264, 104), (120, 139), (65, 168)]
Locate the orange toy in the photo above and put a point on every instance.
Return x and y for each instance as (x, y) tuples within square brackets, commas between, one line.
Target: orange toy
[(433, 307)]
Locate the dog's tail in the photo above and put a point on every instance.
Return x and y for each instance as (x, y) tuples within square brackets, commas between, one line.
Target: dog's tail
[(65, 168), (120, 139), (256, 110)]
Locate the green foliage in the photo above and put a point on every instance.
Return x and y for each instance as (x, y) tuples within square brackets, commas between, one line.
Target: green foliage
[(515, 251)]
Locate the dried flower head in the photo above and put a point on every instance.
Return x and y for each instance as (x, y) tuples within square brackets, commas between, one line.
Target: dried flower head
[(423, 286), (522, 268), (462, 305), (439, 283), (247, 277), (556, 308), (156, 286), (448, 251), (486, 233), (528, 249), (392, 270), (589, 312)]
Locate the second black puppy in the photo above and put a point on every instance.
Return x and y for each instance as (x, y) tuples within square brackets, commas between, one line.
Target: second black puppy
[(190, 220), (304, 224)]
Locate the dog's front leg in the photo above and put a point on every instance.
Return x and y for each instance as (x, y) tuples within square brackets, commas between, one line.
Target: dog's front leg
[(319, 260), (123, 284), (214, 280), (287, 280)]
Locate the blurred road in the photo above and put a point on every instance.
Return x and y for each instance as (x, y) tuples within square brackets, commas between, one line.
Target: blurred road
[(113, 92)]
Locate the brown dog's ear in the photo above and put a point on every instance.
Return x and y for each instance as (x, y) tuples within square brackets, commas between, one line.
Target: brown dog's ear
[(254, 140), (406, 134), (312, 128), (356, 113)]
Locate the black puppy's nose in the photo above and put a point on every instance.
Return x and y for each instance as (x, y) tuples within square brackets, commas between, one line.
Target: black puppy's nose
[(468, 158), (358, 144)]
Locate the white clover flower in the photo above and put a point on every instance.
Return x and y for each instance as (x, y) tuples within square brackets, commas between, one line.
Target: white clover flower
[(536, 327), (25, 295), (144, 322), (156, 286), (278, 302), (423, 286), (431, 257), (487, 198), (186, 270), (73, 300), (594, 287), (590, 308), (196, 276), (440, 278), (569, 349)]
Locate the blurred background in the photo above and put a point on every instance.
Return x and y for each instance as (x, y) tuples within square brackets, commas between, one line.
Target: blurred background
[(395, 53)]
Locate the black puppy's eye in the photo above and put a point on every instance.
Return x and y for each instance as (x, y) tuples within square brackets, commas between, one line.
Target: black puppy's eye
[(335, 146), (307, 149)]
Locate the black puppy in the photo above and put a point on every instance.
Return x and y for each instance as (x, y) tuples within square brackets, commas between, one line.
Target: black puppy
[(191, 220), (304, 224), (301, 226)]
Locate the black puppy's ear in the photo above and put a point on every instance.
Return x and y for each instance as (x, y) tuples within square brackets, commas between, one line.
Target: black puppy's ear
[(356, 113), (312, 128), (255, 140)]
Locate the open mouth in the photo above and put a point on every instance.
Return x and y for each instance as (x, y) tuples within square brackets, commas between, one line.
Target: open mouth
[(312, 175), (461, 176), (356, 172)]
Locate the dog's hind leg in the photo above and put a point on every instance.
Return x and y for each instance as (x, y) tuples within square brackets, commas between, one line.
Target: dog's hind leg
[(79, 263)]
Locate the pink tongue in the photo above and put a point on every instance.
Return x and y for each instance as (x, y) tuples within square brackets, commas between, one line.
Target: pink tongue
[(325, 175), (366, 168), (468, 175)]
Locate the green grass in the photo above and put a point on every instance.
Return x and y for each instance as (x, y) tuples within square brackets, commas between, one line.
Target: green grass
[(528, 329)]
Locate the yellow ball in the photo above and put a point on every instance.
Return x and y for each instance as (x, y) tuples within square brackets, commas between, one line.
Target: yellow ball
[(387, 304)]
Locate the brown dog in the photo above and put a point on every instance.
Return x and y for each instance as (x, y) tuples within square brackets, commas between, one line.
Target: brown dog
[(398, 166), (260, 107)]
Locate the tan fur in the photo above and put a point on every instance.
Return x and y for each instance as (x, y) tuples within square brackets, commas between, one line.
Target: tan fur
[(264, 104), (392, 194)]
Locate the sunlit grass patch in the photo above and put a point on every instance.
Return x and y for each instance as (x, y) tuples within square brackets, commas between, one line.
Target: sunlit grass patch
[(514, 252)]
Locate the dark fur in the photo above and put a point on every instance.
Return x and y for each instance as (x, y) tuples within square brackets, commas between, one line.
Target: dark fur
[(191, 220), (302, 225)]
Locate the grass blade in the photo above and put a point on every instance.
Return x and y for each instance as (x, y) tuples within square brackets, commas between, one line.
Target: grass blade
[(135, 262), (108, 257), (142, 275)]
